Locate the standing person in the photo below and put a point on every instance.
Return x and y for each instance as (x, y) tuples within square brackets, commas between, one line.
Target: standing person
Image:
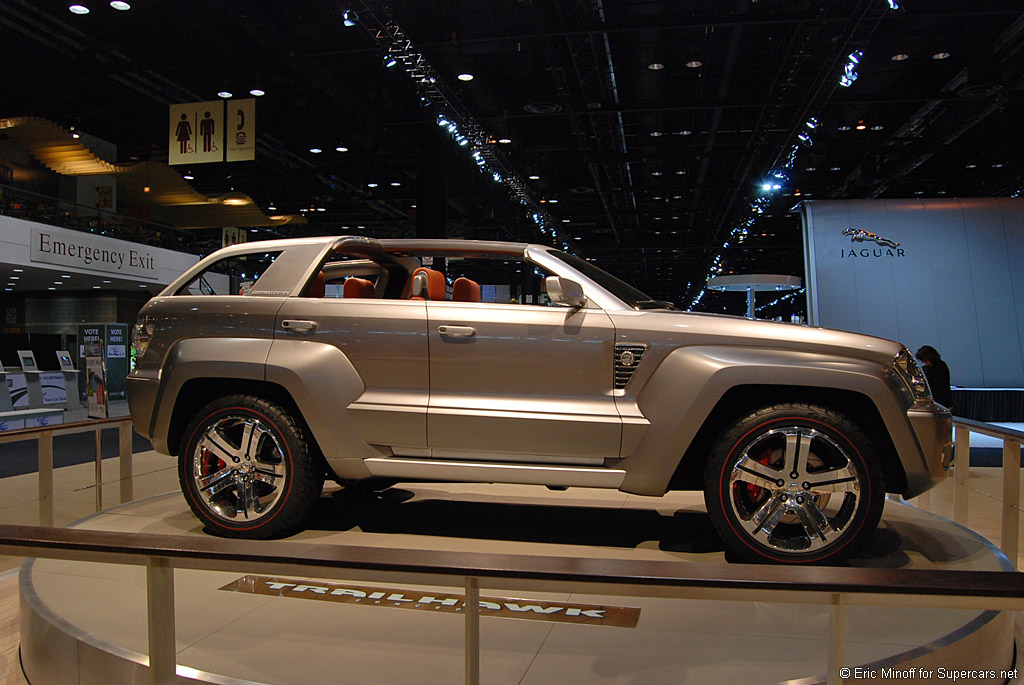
[(937, 373)]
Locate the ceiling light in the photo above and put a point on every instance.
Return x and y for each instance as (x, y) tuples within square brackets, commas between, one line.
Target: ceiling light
[(835, 168), (257, 92), (553, 201), (120, 5), (315, 150), (371, 185), (390, 61), (655, 66), (58, 282), (146, 189), (341, 148), (51, 288), (465, 77), (565, 221), (142, 285), (655, 173), (680, 173), (971, 166), (899, 57), (861, 127), (79, 9), (17, 271), (844, 128), (189, 177), (96, 287), (505, 141), (321, 209), (877, 127), (65, 275), (224, 94), (106, 281), (271, 208), (350, 18), (811, 168), (695, 64), (655, 134), (395, 184), (940, 55), (997, 166), (534, 178)]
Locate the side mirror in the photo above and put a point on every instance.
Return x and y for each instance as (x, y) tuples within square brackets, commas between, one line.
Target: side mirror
[(564, 291)]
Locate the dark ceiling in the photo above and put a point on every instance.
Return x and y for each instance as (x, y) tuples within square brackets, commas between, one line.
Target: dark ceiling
[(652, 169)]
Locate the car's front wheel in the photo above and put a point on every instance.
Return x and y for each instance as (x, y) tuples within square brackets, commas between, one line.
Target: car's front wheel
[(247, 469), (794, 483)]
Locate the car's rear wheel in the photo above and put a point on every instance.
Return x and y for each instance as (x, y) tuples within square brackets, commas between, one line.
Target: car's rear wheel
[(794, 484), (247, 469)]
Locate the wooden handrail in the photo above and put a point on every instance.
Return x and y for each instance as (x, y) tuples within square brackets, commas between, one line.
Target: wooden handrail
[(201, 552), (19, 434)]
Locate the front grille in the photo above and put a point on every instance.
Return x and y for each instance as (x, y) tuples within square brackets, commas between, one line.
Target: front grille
[(627, 359)]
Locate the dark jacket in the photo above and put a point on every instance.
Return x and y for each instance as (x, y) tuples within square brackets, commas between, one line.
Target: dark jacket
[(938, 378)]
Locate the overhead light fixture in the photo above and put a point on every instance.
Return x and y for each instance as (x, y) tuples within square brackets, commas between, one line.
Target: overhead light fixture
[(899, 57), (371, 185), (861, 127), (146, 189), (811, 168), (534, 177), (350, 18), (655, 173), (655, 66), (224, 94), (695, 64), (686, 132), (78, 9), (505, 141), (395, 184), (465, 77), (389, 61), (656, 134), (940, 55), (120, 5), (315, 150), (189, 177), (844, 127), (877, 127), (271, 208), (257, 92), (341, 148), (835, 168), (971, 166)]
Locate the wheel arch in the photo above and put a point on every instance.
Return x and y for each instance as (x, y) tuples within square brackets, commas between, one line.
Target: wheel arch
[(743, 399)]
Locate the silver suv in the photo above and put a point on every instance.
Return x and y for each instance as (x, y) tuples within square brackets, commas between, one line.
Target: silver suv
[(270, 366)]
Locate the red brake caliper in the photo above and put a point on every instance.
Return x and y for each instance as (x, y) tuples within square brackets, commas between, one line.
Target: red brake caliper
[(754, 491)]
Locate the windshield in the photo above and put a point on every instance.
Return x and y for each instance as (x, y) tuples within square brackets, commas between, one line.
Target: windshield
[(620, 289)]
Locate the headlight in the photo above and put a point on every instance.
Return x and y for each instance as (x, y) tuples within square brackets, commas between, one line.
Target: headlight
[(912, 375), (142, 334)]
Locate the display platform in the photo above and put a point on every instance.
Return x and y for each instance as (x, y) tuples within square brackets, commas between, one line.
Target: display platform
[(86, 622)]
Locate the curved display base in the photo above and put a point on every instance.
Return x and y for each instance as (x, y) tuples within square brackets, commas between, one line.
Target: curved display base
[(86, 622)]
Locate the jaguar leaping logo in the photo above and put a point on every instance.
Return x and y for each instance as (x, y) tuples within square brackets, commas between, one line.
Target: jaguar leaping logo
[(859, 235)]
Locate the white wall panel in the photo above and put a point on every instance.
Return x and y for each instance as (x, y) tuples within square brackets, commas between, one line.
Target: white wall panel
[(955, 281)]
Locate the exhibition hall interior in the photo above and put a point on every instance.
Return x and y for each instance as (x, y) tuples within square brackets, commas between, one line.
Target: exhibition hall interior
[(513, 341)]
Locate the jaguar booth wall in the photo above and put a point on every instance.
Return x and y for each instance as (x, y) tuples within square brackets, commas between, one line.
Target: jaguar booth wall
[(945, 273)]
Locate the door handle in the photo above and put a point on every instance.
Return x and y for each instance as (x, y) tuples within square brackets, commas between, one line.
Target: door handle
[(457, 331), (298, 325)]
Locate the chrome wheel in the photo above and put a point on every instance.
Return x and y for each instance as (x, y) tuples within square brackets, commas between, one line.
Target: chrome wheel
[(793, 483), (238, 468), (783, 485)]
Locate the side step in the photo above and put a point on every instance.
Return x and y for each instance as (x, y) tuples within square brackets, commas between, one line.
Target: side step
[(495, 472)]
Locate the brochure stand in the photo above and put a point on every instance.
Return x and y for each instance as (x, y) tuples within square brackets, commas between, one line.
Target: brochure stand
[(67, 368)]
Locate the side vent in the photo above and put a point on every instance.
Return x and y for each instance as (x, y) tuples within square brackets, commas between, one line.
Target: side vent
[(627, 358)]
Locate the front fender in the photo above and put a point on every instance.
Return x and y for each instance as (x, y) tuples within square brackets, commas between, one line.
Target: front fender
[(681, 393)]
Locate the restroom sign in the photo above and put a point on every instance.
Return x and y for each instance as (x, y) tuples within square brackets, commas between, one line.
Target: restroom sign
[(196, 133)]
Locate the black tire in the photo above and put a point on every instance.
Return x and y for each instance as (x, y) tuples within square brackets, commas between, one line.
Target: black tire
[(242, 487), (794, 484)]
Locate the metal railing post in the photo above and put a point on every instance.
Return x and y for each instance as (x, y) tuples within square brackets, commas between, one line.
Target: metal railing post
[(99, 471), (472, 631), (124, 439), (961, 473), (45, 452), (1011, 499), (836, 637), (160, 618)]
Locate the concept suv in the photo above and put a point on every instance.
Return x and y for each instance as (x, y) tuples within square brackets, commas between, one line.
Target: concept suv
[(270, 366)]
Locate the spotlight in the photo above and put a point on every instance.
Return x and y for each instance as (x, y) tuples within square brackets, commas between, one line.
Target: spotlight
[(350, 18), (389, 61), (120, 5), (78, 9)]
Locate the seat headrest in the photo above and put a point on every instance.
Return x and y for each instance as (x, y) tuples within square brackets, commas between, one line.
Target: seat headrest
[(358, 287), (318, 287), (427, 284), (465, 290)]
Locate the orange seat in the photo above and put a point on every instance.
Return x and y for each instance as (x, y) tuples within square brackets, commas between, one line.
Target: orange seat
[(358, 287), (318, 287), (427, 284), (465, 290)]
